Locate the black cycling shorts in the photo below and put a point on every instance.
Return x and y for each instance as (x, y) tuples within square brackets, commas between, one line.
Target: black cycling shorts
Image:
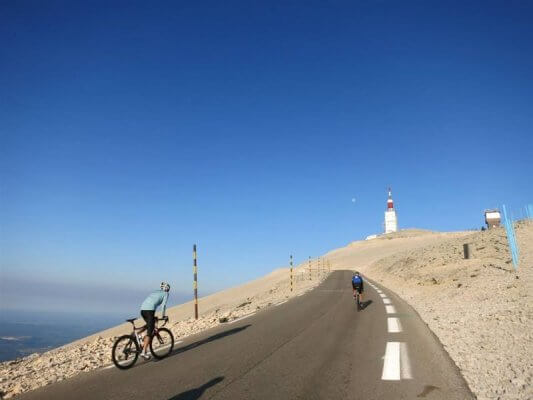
[(149, 317), (359, 287)]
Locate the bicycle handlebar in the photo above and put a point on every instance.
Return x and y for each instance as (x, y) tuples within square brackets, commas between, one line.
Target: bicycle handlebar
[(132, 321)]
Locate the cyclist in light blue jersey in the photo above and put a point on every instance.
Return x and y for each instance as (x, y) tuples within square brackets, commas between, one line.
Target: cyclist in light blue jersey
[(148, 307)]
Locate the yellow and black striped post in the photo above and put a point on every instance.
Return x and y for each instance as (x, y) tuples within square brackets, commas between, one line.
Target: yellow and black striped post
[(291, 272), (309, 265), (195, 283)]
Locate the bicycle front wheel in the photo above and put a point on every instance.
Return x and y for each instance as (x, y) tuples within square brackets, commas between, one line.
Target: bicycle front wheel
[(162, 343), (125, 352)]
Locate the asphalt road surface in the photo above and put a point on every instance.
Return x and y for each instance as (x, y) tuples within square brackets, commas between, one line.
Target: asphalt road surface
[(315, 346)]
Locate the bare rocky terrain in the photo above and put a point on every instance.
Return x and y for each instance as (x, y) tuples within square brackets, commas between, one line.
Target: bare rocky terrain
[(480, 309)]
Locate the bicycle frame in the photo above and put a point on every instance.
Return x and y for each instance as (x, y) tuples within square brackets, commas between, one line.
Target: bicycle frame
[(137, 331)]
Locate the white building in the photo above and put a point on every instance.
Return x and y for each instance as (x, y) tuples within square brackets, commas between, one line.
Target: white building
[(391, 221)]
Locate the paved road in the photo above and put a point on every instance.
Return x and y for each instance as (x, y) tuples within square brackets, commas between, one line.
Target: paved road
[(316, 346)]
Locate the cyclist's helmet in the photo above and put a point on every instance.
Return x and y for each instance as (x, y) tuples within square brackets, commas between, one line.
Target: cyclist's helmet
[(356, 273), (165, 286)]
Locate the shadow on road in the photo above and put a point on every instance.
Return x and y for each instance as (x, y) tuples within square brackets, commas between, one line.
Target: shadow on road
[(209, 339), (196, 393), (365, 304)]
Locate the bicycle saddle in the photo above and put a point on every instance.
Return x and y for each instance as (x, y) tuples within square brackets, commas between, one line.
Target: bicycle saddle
[(131, 319)]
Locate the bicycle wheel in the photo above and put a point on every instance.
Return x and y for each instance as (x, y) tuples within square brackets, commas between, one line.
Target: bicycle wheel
[(125, 352), (162, 343)]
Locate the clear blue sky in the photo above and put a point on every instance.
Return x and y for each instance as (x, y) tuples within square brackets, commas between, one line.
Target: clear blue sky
[(130, 131)]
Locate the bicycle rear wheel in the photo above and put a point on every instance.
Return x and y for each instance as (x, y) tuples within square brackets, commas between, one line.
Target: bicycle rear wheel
[(125, 352), (162, 343)]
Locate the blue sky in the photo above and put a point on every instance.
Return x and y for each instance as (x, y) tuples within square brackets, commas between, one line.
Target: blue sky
[(129, 132)]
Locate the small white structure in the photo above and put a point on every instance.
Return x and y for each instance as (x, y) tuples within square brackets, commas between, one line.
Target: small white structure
[(391, 221), (492, 218)]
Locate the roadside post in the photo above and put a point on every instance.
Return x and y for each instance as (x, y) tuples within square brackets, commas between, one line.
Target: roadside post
[(309, 266), (195, 283), (466, 251), (291, 272)]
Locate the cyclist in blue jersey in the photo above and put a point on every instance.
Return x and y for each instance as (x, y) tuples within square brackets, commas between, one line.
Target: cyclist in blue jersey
[(148, 307), (357, 285)]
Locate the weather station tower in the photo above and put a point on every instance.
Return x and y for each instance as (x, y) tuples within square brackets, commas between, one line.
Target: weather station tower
[(391, 221)]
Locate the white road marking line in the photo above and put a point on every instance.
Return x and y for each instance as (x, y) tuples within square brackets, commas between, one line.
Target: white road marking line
[(391, 362), (282, 302), (393, 325), (390, 309), (404, 360), (386, 301), (241, 318), (175, 343), (382, 295), (109, 366)]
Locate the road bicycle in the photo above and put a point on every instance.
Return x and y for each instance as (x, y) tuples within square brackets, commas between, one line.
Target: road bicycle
[(127, 348), (357, 299)]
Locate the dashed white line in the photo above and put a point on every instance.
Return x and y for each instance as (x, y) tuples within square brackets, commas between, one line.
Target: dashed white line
[(382, 295), (396, 364), (390, 309), (394, 325), (391, 362), (405, 365), (386, 301)]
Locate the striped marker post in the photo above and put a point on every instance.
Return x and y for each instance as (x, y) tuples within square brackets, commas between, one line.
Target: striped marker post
[(195, 283), (291, 272), (309, 265)]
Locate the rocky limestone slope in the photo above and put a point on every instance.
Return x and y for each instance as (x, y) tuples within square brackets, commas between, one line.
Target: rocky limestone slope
[(481, 309)]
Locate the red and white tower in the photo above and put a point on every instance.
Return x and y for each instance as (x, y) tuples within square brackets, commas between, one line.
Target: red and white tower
[(391, 221)]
